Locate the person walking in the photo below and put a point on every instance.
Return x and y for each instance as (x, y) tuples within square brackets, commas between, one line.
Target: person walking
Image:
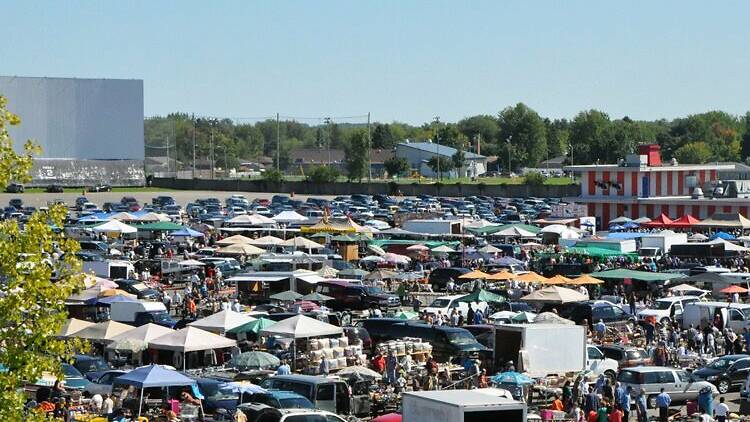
[(663, 400), (640, 406), (623, 400)]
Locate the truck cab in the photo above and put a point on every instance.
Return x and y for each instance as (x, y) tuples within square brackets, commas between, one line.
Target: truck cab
[(598, 364), (667, 309)]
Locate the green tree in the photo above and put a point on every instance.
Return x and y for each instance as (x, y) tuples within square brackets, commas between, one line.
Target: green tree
[(449, 135), (396, 166), (273, 176), (534, 178), (440, 165), (383, 137), (588, 131), (746, 139), (484, 126), (526, 132), (323, 174), (558, 136), (693, 153), (356, 155), (32, 306), (458, 160)]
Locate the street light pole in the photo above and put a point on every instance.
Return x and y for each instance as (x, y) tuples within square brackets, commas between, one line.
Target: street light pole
[(212, 152), (193, 146), (327, 121), (437, 143), (510, 137)]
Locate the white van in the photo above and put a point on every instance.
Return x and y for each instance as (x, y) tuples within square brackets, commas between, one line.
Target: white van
[(445, 305), (667, 309), (700, 314)]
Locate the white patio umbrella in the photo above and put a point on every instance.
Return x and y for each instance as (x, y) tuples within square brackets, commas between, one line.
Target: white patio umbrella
[(301, 243), (443, 249), (115, 226), (266, 241), (221, 322), (232, 240), (288, 217)]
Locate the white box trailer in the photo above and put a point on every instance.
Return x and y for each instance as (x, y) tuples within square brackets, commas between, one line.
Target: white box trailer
[(541, 349), (109, 269), (460, 406), (663, 240)]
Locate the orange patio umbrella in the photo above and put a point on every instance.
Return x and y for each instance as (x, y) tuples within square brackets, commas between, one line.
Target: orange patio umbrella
[(586, 279), (733, 289), (557, 279), (531, 277), (502, 275), (474, 275)]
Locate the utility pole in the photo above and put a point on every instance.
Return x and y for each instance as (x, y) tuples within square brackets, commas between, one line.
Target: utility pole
[(510, 137), (212, 151), (167, 155), (193, 146), (369, 150), (278, 142), (175, 145), (437, 142), (327, 121)]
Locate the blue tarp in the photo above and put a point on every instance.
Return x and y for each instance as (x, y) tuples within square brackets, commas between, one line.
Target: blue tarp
[(187, 232), (626, 235), (153, 376), (116, 298), (722, 235)]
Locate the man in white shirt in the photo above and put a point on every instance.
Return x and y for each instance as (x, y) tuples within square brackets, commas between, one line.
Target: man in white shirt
[(107, 405), (96, 403), (721, 411)]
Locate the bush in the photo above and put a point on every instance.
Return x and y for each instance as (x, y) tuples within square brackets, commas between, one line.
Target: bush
[(534, 178), (323, 174), (273, 176)]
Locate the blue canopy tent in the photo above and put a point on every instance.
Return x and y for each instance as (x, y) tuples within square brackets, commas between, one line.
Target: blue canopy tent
[(187, 232), (153, 376), (631, 225), (616, 227), (723, 236)]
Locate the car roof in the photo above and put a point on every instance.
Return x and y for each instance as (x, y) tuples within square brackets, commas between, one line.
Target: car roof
[(674, 298), (309, 379), (650, 369)]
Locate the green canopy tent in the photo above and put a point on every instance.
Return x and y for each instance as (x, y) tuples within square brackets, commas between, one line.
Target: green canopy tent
[(623, 273), (481, 295), (253, 326), (162, 226), (489, 230), (596, 252)]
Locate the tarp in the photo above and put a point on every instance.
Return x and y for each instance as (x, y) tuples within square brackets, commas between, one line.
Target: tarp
[(251, 220), (221, 322), (160, 226), (73, 326), (103, 331), (190, 339), (286, 217), (236, 239), (725, 220), (114, 226), (301, 326), (301, 243), (623, 273), (555, 294), (145, 333), (153, 376), (661, 221), (686, 220)]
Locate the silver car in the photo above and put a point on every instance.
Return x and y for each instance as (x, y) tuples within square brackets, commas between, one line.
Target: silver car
[(680, 385), (103, 384)]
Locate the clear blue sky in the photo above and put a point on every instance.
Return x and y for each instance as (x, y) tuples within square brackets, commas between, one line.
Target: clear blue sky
[(401, 60)]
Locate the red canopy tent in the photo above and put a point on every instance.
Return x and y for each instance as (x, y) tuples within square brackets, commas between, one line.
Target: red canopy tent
[(686, 220), (660, 221)]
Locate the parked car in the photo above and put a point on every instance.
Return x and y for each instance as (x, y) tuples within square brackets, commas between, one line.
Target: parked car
[(447, 342), (15, 188), (439, 277), (16, 203), (446, 304), (54, 189), (280, 399), (592, 311), (354, 296), (626, 356), (680, 385), (90, 366), (270, 414), (137, 288), (325, 393), (103, 384), (725, 372)]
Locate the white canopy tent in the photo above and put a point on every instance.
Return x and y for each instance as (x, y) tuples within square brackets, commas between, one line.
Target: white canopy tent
[(115, 226), (301, 243), (221, 322), (251, 220), (266, 241), (143, 335), (289, 217), (301, 326), (190, 339), (233, 240), (103, 331)]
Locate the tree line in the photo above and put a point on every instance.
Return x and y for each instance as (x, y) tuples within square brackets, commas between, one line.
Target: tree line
[(518, 132)]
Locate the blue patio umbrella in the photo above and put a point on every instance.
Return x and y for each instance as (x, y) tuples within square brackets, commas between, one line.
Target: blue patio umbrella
[(511, 377), (616, 227), (722, 235), (631, 225)]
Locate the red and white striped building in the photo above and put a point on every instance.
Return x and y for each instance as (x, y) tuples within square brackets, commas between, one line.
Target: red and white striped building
[(641, 186)]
